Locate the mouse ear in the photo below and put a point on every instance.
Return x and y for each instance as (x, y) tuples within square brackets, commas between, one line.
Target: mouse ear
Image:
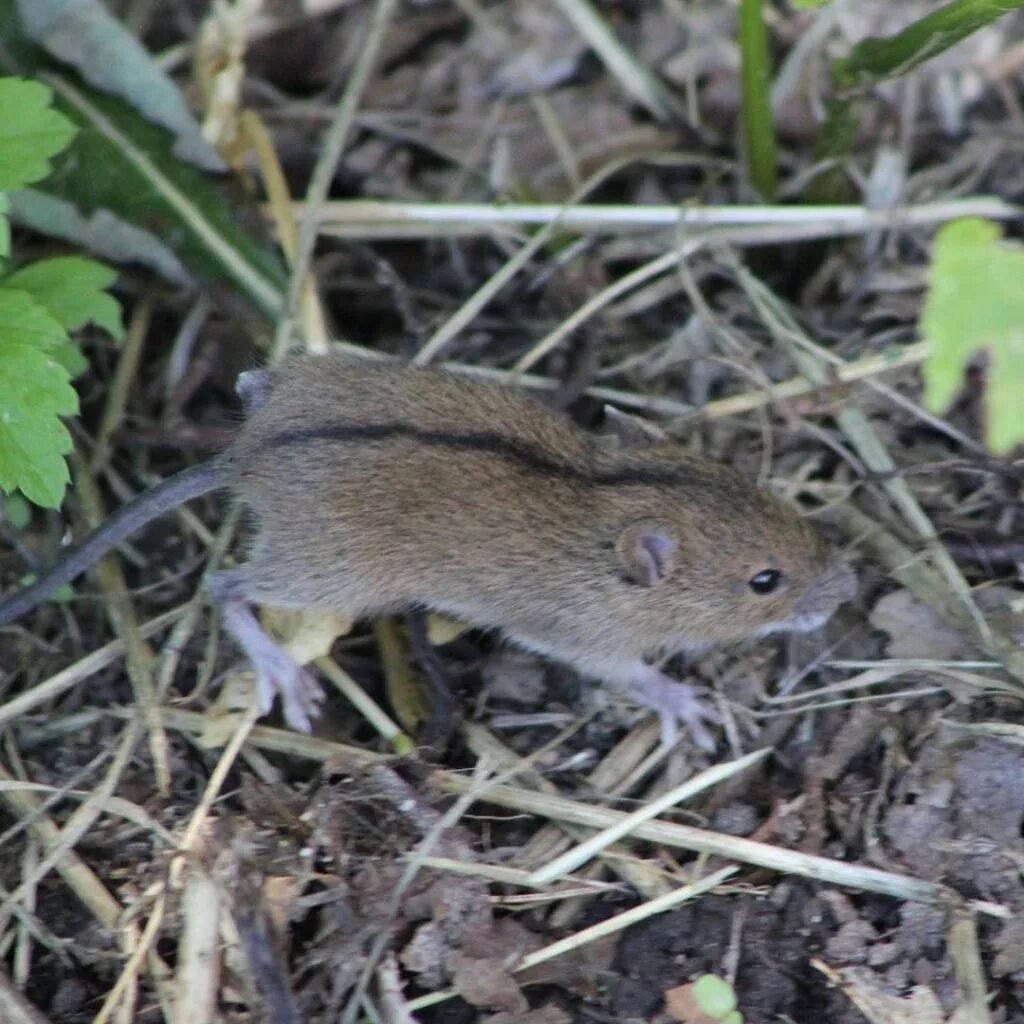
[(647, 551), (253, 387), (629, 431)]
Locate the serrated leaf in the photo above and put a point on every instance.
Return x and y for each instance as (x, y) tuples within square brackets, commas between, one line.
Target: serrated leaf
[(124, 165), (31, 132), (23, 319), (35, 392), (33, 445), (69, 355), (975, 301), (87, 36), (71, 288)]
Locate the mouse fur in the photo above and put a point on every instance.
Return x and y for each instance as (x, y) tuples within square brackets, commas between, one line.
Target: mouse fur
[(376, 487)]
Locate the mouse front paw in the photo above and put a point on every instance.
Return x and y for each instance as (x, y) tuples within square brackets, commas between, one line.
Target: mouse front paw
[(676, 703)]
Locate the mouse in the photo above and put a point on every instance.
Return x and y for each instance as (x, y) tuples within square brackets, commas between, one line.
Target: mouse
[(375, 487)]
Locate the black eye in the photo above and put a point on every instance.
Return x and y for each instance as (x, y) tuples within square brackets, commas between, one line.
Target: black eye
[(765, 581)]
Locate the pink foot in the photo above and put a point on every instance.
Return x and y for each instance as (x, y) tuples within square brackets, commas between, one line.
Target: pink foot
[(277, 672), (675, 703)]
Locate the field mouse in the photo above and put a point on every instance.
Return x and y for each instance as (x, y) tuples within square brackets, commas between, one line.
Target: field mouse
[(377, 487)]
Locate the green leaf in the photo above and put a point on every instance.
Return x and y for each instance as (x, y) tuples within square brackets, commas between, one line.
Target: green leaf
[(23, 319), (874, 60), (69, 355), (87, 36), (976, 301), (714, 995), (34, 393), (71, 288), (30, 132), (128, 172)]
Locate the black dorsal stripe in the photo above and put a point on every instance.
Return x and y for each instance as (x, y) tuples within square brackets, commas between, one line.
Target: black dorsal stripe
[(529, 457)]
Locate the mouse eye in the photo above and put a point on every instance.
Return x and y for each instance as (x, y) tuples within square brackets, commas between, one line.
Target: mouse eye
[(766, 581)]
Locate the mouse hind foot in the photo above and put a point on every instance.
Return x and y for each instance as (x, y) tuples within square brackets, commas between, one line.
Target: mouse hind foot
[(676, 704), (277, 672)]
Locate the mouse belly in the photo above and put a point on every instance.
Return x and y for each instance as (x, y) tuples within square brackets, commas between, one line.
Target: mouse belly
[(597, 653)]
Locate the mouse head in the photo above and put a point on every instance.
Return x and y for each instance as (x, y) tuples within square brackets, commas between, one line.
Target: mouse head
[(714, 559), (719, 581)]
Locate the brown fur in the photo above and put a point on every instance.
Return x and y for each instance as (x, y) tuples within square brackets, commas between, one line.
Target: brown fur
[(377, 487), (370, 526)]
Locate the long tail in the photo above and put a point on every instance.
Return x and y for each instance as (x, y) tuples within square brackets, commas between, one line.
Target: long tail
[(176, 490)]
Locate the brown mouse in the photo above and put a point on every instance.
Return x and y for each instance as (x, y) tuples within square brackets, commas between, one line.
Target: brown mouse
[(377, 487)]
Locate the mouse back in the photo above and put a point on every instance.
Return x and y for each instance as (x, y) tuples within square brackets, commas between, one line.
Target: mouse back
[(379, 486), (311, 395)]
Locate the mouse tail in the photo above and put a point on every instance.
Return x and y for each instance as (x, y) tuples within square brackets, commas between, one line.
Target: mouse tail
[(172, 492)]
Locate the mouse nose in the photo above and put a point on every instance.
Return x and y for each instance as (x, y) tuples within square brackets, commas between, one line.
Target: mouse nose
[(829, 592)]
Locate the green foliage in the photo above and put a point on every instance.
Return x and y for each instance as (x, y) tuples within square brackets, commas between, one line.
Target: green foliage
[(71, 289), (875, 60), (39, 305), (31, 132), (34, 393), (868, 64), (135, 185), (878, 60), (88, 37), (976, 301), (716, 998)]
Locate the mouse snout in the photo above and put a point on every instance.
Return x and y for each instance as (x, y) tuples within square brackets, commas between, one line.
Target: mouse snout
[(843, 583), (824, 596)]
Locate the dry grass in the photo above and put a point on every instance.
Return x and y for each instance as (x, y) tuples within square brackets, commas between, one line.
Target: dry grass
[(198, 865)]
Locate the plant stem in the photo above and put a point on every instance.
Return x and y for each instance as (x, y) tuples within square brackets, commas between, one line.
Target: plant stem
[(758, 126)]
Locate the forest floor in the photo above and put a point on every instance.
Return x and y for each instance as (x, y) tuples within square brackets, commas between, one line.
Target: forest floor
[(868, 867)]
